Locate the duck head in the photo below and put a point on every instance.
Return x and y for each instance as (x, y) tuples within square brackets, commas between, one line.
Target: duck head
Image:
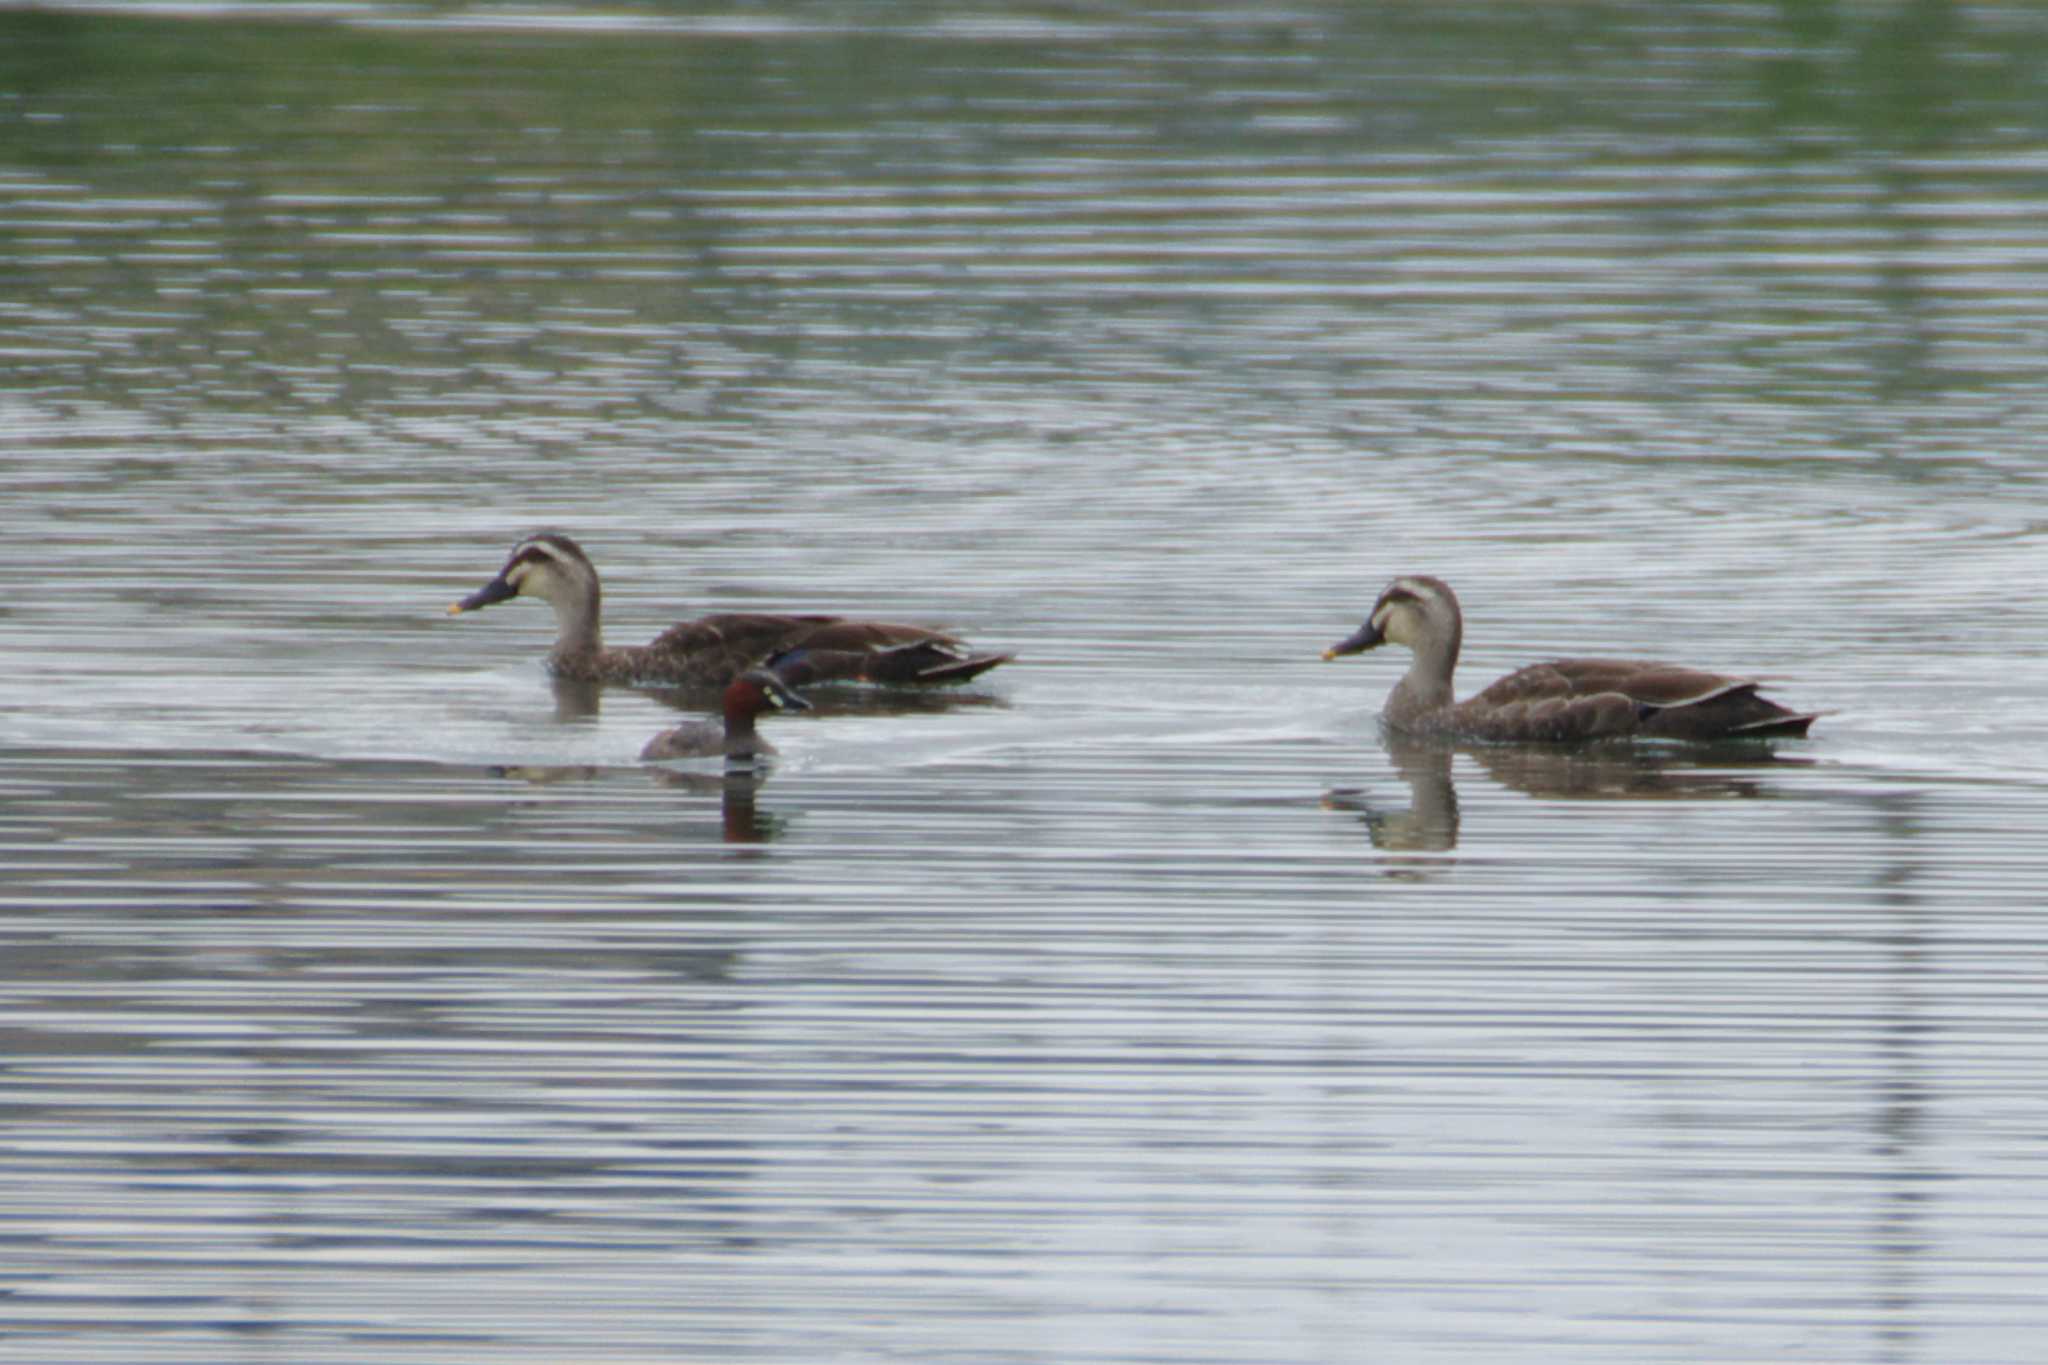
[(758, 690), (1415, 610), (549, 566)]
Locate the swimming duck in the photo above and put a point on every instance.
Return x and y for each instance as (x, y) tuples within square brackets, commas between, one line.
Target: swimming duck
[(1564, 699), (753, 692), (713, 650)]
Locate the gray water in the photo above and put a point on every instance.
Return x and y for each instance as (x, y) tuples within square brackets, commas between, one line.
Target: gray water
[(365, 1000)]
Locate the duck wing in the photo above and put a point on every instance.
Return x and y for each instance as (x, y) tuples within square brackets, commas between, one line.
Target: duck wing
[(1643, 680), (879, 652), (1597, 698), (811, 649), (713, 650)]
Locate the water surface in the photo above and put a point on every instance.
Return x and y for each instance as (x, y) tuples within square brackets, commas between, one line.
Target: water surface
[(367, 1001)]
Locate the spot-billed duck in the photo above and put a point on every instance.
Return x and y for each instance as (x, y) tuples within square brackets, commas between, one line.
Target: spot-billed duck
[(1564, 699), (713, 650)]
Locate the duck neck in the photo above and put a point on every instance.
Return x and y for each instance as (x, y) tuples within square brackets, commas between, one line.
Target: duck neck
[(577, 632), (742, 704), (1427, 686)]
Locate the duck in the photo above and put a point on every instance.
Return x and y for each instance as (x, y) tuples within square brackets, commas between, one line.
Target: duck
[(1560, 700), (712, 651), (752, 693)]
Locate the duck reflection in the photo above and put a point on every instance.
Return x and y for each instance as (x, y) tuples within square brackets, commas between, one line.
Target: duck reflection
[(845, 699), (741, 819), (546, 774), (1633, 772), (577, 701), (1429, 822), (574, 700)]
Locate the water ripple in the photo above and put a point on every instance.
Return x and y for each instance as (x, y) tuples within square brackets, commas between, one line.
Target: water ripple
[(365, 995)]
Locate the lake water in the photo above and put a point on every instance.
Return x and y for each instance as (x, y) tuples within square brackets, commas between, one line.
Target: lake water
[(365, 1000)]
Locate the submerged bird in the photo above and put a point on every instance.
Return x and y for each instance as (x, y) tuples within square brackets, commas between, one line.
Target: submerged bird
[(753, 692), (1564, 699), (713, 650)]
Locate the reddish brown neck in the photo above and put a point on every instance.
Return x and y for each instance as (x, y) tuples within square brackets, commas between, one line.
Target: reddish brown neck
[(744, 700)]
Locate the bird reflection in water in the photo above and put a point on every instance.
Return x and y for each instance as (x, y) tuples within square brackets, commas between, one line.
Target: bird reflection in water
[(1429, 822), (578, 701), (574, 700), (741, 819), (738, 786)]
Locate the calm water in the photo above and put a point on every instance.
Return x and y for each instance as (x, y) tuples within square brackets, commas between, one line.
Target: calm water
[(364, 1000)]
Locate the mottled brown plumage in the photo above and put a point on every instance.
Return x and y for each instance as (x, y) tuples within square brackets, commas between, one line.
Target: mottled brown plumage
[(1564, 699), (713, 650)]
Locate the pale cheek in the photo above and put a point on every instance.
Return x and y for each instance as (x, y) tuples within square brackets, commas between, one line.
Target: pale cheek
[(1395, 625), (533, 580)]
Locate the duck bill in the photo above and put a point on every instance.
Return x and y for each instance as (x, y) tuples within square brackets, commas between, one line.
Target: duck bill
[(497, 590), (1358, 641)]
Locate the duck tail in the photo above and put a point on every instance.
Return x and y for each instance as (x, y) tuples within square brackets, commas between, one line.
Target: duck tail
[(1778, 727), (960, 670), (924, 662), (927, 661)]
